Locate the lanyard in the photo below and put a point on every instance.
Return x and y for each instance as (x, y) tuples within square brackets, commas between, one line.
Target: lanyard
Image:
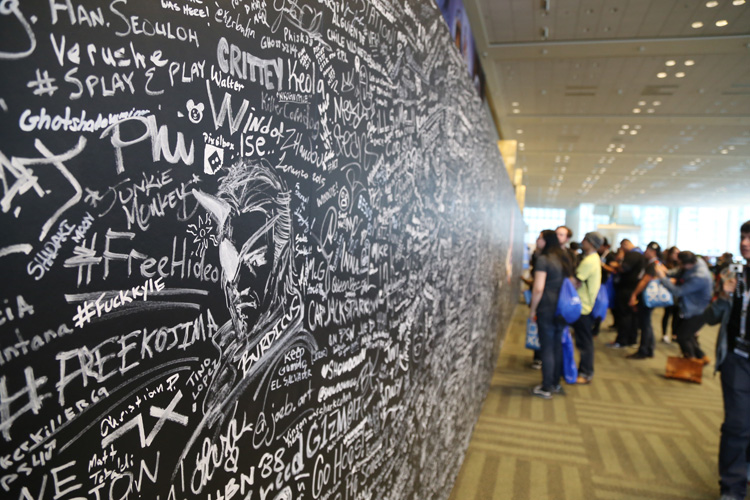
[(743, 314)]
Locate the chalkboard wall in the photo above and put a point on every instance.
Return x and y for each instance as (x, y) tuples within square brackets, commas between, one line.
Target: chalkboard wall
[(250, 249)]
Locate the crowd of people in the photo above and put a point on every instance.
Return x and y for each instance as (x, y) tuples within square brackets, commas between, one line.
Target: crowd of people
[(702, 294)]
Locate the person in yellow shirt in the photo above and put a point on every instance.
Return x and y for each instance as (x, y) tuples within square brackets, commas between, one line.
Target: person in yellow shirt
[(589, 279)]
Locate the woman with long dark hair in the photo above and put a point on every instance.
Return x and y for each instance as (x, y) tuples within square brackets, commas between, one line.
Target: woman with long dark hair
[(552, 267)]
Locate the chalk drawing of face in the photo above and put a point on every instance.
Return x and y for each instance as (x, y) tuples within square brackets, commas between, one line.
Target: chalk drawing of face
[(195, 111), (253, 214)]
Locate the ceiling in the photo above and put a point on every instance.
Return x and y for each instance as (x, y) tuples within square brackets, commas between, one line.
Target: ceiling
[(621, 101)]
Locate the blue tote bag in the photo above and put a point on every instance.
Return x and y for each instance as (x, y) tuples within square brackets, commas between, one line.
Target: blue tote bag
[(657, 295), (569, 303), (570, 370), (601, 304), (532, 336)]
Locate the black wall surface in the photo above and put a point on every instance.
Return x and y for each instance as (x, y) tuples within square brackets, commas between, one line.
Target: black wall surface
[(250, 249)]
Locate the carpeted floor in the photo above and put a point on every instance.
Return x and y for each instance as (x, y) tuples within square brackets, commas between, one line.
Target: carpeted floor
[(631, 434)]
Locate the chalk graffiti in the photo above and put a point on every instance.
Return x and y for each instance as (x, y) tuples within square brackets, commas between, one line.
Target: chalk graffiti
[(250, 249)]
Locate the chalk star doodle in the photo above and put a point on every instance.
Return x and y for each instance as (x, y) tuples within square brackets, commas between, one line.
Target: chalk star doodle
[(202, 232), (92, 197), (43, 84)]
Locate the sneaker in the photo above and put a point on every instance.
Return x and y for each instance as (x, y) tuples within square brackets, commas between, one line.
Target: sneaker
[(558, 389), (666, 340), (615, 345), (536, 364), (583, 380), (539, 391), (638, 355)]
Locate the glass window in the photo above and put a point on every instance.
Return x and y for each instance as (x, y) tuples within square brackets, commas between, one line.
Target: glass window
[(711, 230), (653, 221), (539, 219), (590, 221)]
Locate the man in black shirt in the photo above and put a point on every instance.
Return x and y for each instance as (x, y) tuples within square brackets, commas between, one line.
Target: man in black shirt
[(733, 360), (633, 264)]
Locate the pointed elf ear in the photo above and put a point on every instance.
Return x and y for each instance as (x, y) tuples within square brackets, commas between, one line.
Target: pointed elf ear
[(218, 208)]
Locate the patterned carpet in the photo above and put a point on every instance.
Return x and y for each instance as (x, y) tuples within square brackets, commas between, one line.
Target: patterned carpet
[(631, 434)]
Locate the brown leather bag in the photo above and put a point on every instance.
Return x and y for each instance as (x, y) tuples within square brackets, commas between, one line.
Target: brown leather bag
[(690, 370)]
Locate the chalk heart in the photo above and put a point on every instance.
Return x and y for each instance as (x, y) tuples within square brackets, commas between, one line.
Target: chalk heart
[(195, 111)]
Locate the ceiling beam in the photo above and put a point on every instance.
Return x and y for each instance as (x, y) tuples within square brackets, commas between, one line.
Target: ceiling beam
[(650, 119), (674, 156), (631, 47)]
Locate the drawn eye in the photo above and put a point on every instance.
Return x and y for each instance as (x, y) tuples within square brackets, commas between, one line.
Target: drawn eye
[(255, 258)]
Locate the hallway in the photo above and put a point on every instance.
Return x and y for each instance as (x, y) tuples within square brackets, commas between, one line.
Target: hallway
[(631, 434)]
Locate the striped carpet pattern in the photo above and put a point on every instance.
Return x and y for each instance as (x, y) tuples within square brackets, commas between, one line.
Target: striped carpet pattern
[(631, 434)]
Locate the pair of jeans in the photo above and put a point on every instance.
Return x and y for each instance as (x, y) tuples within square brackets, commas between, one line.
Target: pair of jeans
[(735, 431), (687, 328), (550, 330), (585, 344), (670, 311), (647, 331)]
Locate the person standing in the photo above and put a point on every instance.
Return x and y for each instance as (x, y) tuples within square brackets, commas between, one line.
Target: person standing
[(536, 362), (564, 235), (670, 261), (552, 267), (643, 312), (633, 263), (733, 361), (693, 289), (589, 279)]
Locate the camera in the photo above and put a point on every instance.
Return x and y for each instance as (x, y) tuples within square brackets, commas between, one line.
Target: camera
[(736, 269)]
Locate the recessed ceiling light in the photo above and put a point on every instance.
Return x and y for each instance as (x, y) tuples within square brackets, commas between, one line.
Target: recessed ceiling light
[(621, 132), (637, 127), (515, 104), (697, 24), (679, 74), (626, 127), (641, 103), (650, 110), (516, 111), (738, 2), (633, 132), (657, 103), (661, 75), (659, 159), (721, 23), (519, 131), (619, 150), (671, 62), (724, 151), (636, 110), (712, 4), (689, 62)]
